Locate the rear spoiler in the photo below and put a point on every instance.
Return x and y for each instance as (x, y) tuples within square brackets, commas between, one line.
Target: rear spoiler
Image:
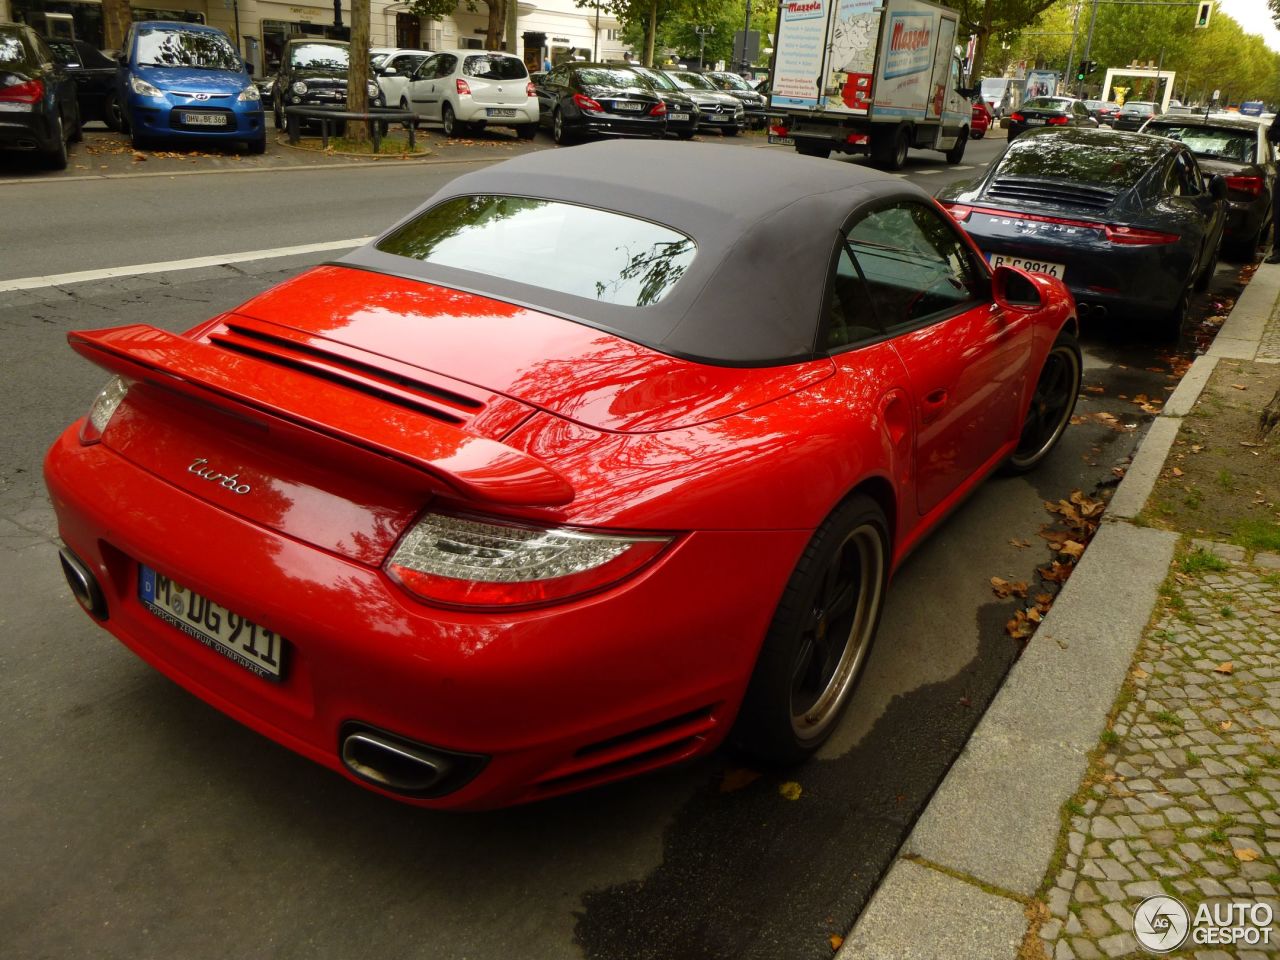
[(476, 468)]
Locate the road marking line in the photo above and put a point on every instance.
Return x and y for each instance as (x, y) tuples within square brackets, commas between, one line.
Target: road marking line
[(962, 166), (924, 173), (164, 266)]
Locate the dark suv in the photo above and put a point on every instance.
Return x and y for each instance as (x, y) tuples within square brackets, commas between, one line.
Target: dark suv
[(753, 102), (37, 97), (313, 72)]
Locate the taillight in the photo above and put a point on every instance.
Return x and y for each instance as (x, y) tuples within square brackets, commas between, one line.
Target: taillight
[(28, 91), (1017, 117), (856, 138), (959, 212), (468, 562), (463, 86), (103, 409), (586, 103), (1250, 185), (1058, 121), (529, 90), (778, 130), (659, 109), (1133, 236)]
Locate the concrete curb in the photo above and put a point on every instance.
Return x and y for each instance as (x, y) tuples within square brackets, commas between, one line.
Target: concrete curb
[(982, 846)]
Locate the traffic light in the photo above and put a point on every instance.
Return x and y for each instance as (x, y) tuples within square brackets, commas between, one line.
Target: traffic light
[(1086, 67), (1202, 13)]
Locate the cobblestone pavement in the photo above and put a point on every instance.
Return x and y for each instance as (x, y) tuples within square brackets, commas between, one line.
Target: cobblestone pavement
[(1185, 797), (1269, 347)]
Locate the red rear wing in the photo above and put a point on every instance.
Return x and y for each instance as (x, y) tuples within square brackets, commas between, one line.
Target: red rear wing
[(475, 467)]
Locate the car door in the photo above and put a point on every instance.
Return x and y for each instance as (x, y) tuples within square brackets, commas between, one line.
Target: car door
[(1189, 212), (965, 357), (549, 93), (53, 73), (421, 89), (394, 86)]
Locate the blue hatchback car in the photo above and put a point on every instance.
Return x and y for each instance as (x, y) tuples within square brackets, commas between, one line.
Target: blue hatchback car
[(186, 80)]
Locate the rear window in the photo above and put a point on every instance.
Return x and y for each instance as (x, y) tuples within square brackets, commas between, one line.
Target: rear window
[(1215, 143), (494, 68), (186, 48), (1117, 164), (604, 77), (11, 49), (1051, 104), (691, 81), (1138, 108), (569, 249)]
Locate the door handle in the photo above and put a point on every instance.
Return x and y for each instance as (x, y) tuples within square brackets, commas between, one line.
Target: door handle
[(932, 406)]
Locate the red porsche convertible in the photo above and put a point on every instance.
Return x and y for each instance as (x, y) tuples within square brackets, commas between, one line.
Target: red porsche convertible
[(569, 475)]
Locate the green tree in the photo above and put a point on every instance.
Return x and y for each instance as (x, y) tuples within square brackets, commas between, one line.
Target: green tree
[(992, 19)]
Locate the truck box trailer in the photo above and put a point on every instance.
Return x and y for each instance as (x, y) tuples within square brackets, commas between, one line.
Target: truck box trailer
[(868, 76)]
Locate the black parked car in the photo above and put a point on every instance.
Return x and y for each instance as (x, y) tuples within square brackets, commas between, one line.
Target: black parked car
[(314, 73), (38, 109), (1237, 149), (1133, 115), (94, 74), (682, 112), (753, 103), (1049, 112), (718, 110), (1127, 221), (584, 99)]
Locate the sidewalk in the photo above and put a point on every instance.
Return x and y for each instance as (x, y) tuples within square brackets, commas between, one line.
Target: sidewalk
[(1134, 749)]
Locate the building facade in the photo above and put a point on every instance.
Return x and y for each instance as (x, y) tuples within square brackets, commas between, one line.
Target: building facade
[(552, 30)]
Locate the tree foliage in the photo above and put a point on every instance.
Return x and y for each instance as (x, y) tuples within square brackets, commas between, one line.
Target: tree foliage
[(657, 26), (433, 9), (992, 19)]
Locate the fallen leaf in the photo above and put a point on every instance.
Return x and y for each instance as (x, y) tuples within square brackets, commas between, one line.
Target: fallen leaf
[(1225, 667), (1044, 599), (738, 778), (1056, 572), (1020, 627), (1034, 615), (138, 156), (1018, 542), (1225, 725), (1000, 586), (1176, 472), (1197, 447), (790, 790), (836, 941), (1246, 854), (1072, 549), (1094, 390), (1139, 674), (1239, 386)]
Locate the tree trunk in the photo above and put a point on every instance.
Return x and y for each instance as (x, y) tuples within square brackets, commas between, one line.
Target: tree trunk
[(651, 34), (358, 70), (983, 33), (497, 26), (1269, 418), (116, 18)]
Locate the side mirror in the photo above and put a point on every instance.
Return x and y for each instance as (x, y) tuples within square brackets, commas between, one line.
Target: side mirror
[(1015, 289), (1218, 187), (389, 72)]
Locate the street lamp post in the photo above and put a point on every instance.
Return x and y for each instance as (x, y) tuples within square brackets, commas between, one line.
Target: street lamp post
[(703, 33), (595, 40), (746, 29)]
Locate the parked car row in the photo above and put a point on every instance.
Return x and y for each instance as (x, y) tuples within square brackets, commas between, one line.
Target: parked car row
[(38, 108)]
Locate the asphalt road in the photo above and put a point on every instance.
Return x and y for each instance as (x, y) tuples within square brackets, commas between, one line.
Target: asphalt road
[(137, 822)]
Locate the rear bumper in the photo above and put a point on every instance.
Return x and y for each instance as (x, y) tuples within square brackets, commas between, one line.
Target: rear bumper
[(645, 674), (27, 131), (653, 127), (1244, 220), (470, 112)]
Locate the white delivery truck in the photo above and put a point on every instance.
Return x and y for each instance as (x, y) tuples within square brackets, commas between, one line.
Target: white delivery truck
[(875, 76)]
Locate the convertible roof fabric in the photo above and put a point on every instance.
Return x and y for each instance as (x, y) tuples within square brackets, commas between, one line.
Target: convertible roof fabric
[(765, 223)]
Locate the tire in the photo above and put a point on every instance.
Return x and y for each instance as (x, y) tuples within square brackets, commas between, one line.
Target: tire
[(686, 134), (448, 121), (810, 148), (1245, 250), (1206, 275), (1051, 406), (889, 151), (56, 157), (803, 679), (730, 131), (956, 153), (527, 131), (141, 142), (1170, 325), (278, 114), (979, 136), (111, 113), (258, 146), (404, 105), (559, 132), (77, 131)]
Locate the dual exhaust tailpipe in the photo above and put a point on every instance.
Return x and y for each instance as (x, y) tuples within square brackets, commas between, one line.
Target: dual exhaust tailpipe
[(84, 585), (1094, 311), (403, 766)]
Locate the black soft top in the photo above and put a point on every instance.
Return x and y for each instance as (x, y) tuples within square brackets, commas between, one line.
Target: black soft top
[(765, 224)]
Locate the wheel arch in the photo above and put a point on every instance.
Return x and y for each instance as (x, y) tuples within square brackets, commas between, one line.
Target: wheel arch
[(880, 489)]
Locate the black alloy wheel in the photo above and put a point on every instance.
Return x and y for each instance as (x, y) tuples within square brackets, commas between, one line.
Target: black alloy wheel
[(821, 635), (111, 114), (559, 133), (1052, 404)]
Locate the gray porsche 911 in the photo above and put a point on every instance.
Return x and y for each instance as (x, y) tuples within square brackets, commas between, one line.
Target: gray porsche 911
[(1127, 221)]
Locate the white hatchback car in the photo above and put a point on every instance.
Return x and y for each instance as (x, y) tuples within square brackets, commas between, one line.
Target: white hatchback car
[(470, 89), (392, 69)]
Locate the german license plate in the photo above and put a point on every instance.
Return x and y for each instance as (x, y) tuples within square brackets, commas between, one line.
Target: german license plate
[(1031, 266), (628, 106), (785, 141), (677, 116), (205, 119), (1034, 122), (496, 112), (255, 648)]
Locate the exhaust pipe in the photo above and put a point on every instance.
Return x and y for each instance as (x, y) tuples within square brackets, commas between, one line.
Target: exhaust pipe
[(84, 585), (402, 766), (1100, 312)]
